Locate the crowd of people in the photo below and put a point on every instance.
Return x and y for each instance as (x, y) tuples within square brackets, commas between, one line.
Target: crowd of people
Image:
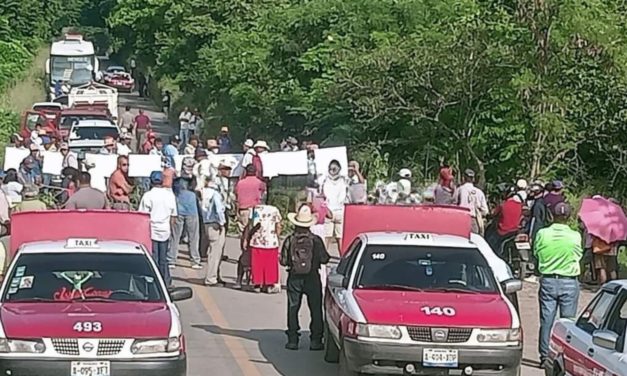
[(196, 205)]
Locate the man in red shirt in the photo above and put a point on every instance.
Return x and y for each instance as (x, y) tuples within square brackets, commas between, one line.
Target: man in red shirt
[(147, 146), (509, 215), (249, 192), (142, 126)]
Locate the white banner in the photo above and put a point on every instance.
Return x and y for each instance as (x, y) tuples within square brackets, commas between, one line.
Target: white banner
[(104, 164), (324, 156), (284, 163), (142, 165), (53, 162), (13, 157)]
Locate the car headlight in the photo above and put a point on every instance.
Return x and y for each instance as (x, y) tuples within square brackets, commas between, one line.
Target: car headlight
[(154, 346), (21, 346), (378, 331), (498, 335)]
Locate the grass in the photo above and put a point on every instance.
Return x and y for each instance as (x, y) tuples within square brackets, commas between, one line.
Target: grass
[(30, 88)]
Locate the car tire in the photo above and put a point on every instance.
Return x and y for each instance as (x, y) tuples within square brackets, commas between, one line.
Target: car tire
[(331, 351), (343, 369)]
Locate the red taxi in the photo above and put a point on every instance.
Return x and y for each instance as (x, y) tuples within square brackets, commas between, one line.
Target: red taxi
[(416, 293), (86, 298), (117, 77)]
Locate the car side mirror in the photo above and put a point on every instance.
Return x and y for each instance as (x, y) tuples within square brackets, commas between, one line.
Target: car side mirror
[(605, 339), (337, 280), (511, 286), (180, 293)]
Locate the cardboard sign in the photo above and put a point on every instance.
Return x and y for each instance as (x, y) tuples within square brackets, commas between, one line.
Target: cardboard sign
[(326, 155), (142, 165), (13, 157), (53, 163), (103, 164), (284, 163)]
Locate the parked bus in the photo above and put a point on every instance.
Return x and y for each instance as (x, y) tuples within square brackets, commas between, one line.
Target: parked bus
[(72, 63)]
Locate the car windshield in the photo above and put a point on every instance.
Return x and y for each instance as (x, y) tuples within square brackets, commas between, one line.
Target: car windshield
[(68, 120), (93, 133), (83, 277), (76, 70), (425, 268)]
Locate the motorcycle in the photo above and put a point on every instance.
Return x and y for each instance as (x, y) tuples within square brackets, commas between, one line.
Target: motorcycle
[(517, 252)]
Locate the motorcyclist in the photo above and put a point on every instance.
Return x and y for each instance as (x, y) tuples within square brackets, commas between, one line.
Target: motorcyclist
[(508, 216)]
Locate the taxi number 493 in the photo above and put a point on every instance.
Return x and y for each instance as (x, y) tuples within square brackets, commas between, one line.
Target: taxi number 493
[(88, 327), (439, 311)]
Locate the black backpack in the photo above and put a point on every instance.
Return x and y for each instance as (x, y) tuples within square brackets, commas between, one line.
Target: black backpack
[(301, 254)]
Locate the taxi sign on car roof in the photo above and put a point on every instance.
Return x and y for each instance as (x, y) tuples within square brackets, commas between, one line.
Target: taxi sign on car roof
[(419, 236), (81, 243)]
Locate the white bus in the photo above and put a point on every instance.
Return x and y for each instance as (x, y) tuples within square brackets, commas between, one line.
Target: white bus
[(72, 62)]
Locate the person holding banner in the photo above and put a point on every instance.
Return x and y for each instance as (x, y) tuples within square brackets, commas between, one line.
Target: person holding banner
[(335, 189), (124, 144)]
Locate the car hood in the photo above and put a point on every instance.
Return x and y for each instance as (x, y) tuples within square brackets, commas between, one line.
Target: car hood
[(409, 308), (57, 320)]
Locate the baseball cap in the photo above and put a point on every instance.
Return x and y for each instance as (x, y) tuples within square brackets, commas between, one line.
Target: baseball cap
[(469, 172), (224, 129), (557, 184), (249, 143), (33, 147), (156, 177), (562, 210), (175, 138), (64, 146)]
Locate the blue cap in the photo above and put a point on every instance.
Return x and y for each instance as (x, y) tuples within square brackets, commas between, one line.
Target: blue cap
[(156, 177), (2, 174)]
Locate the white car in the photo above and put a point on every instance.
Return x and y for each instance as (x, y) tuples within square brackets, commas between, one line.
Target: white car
[(594, 344), (89, 135)]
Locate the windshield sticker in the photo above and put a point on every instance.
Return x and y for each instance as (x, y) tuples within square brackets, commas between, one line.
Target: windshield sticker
[(424, 262), (149, 279), (27, 282), (19, 271), (15, 282), (12, 290), (378, 256), (428, 271), (65, 294)]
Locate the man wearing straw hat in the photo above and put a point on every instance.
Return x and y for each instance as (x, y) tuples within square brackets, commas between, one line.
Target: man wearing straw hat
[(303, 253)]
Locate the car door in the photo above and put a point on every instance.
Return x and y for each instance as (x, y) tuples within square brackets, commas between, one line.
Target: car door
[(613, 361), (335, 295), (578, 359)]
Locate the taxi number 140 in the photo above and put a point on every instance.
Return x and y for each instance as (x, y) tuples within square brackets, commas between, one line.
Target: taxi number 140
[(438, 311), (88, 327)]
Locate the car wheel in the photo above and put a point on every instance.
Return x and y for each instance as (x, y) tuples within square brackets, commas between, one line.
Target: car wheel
[(344, 370), (331, 351)]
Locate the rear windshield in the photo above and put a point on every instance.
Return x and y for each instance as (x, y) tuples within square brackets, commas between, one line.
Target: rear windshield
[(424, 268), (93, 133), (68, 120), (82, 277)]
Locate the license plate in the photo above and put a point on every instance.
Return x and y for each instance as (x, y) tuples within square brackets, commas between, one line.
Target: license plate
[(91, 369), (523, 246), (440, 358)]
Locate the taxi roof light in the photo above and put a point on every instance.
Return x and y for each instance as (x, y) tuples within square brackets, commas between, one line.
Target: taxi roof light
[(81, 243)]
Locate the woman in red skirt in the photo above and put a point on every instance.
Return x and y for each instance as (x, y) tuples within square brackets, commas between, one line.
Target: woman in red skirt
[(264, 247)]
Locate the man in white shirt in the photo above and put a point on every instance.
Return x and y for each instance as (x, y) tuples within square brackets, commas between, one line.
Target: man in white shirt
[(184, 118), (124, 145), (69, 158), (203, 170), (470, 197), (160, 203), (335, 190)]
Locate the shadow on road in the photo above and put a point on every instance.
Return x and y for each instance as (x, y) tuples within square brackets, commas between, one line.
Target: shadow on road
[(271, 344), (530, 363)]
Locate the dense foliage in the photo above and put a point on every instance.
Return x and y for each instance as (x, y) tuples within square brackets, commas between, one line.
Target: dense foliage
[(529, 88)]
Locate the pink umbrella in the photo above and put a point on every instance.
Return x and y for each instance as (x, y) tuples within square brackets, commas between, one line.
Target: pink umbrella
[(604, 219)]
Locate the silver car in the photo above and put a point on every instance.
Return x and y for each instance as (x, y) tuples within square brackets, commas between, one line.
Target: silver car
[(594, 344)]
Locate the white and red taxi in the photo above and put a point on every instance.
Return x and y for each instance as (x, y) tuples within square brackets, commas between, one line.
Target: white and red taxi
[(414, 293), (83, 297), (117, 77)]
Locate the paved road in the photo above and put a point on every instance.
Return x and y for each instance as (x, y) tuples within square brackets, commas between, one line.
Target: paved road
[(235, 333)]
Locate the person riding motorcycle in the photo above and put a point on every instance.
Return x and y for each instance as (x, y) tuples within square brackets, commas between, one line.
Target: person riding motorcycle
[(540, 215), (508, 216)]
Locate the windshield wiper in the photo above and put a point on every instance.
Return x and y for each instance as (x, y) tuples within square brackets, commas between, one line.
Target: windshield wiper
[(391, 287), (34, 300), (453, 289), (93, 299)]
